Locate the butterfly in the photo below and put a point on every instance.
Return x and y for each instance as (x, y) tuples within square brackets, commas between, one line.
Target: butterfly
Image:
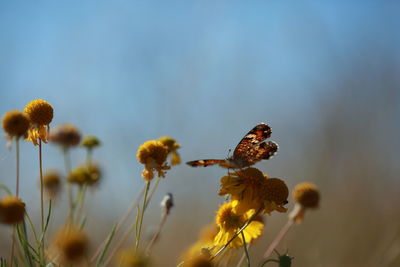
[(250, 150)]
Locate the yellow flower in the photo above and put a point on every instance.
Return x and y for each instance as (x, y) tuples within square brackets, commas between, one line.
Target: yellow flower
[(275, 193), (131, 258), (90, 142), (172, 149), (230, 222), (254, 190), (199, 261), (66, 135), (72, 244), (306, 196), (86, 174), (40, 114), (52, 183), (153, 155), (205, 242), (15, 123), (12, 210)]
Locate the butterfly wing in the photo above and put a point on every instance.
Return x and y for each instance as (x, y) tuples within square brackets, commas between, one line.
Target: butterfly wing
[(264, 150), (205, 162), (256, 135)]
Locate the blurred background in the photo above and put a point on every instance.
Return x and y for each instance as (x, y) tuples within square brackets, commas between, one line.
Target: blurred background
[(324, 75)]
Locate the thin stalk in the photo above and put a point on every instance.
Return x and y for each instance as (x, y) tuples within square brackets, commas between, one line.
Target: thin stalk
[(153, 189), (67, 163), (142, 215), (245, 250), (157, 234), (80, 201), (243, 256), (41, 197), (237, 233), (121, 222), (17, 194), (12, 247), (89, 156), (278, 238)]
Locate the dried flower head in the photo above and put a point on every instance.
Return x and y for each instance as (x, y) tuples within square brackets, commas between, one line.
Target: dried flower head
[(12, 210), (167, 203), (90, 142), (66, 135), (153, 155), (52, 183), (40, 114), (306, 196), (72, 244), (131, 258), (230, 222), (172, 149), (254, 190), (15, 123)]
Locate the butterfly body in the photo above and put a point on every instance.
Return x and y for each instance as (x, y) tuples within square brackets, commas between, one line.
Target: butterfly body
[(250, 150)]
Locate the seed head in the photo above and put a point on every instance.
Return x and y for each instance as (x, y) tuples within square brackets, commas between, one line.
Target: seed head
[(72, 244), (39, 111), (90, 142), (66, 135), (307, 195), (15, 123), (12, 210)]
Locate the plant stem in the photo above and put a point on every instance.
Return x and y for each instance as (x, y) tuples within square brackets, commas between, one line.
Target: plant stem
[(67, 163), (17, 167), (237, 233), (157, 233), (41, 196), (245, 250), (142, 214), (278, 238), (153, 189)]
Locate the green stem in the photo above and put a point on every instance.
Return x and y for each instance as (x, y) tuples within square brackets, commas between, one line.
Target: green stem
[(41, 198), (67, 163), (142, 215), (245, 250), (153, 189)]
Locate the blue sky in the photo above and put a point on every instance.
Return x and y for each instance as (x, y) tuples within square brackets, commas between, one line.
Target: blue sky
[(204, 72)]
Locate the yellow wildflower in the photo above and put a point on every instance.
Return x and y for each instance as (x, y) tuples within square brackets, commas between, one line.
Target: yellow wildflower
[(72, 244), (131, 258), (15, 123), (172, 149), (199, 261), (205, 241), (40, 114), (230, 222), (254, 190), (153, 155), (305, 196), (86, 174), (66, 135), (12, 210), (90, 142)]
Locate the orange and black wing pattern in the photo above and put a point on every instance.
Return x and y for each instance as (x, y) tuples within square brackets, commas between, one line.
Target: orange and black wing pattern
[(261, 151), (256, 135), (205, 162)]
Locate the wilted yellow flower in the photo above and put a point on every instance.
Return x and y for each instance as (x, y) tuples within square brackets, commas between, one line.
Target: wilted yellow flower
[(131, 258), (305, 196), (15, 123), (90, 142), (52, 183), (230, 222), (66, 135), (254, 190), (153, 155), (172, 149), (72, 244), (12, 210), (40, 114)]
